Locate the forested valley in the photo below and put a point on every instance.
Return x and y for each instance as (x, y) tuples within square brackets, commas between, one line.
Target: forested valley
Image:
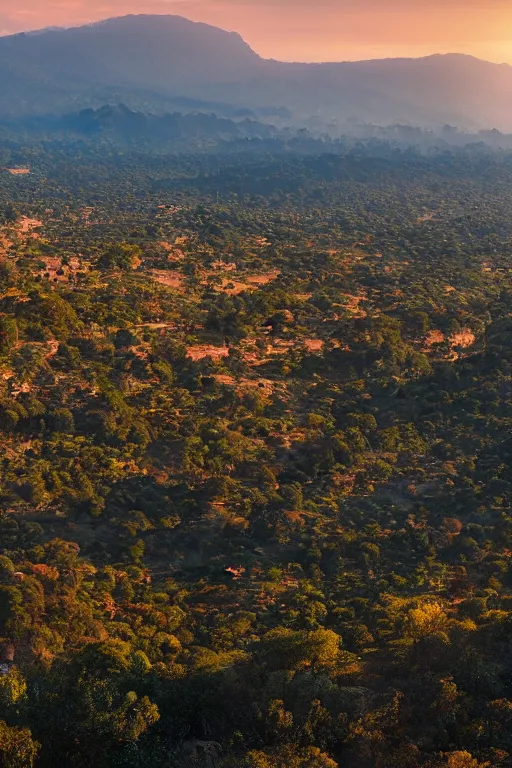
[(256, 452)]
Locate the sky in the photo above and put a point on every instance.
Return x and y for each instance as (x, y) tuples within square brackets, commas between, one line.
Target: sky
[(309, 30)]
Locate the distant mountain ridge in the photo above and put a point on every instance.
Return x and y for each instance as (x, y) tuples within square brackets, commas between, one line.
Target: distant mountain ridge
[(153, 62)]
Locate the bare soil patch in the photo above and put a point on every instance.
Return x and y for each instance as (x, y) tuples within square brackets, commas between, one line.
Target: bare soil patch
[(27, 225), (465, 338), (232, 287), (173, 253), (245, 283), (165, 277), (264, 278), (433, 337), (225, 266), (313, 345), (200, 351), (279, 347)]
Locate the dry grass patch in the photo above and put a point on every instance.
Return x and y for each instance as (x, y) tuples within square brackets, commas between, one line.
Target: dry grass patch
[(352, 304), (265, 386), (303, 296), (463, 339)]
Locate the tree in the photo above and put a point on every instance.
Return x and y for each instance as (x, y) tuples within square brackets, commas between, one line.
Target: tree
[(464, 759), (63, 420), (17, 748), (427, 619), (279, 320), (125, 338), (289, 756), (8, 334), (120, 256), (134, 717), (287, 649), (8, 214)]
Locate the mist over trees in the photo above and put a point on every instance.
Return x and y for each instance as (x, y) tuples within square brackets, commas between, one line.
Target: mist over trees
[(255, 405), (255, 414), (184, 66)]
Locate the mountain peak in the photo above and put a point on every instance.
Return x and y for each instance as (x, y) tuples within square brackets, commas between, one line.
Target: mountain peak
[(153, 24), (158, 21), (152, 61)]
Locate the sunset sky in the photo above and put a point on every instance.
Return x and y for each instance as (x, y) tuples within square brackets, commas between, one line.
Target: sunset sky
[(309, 30)]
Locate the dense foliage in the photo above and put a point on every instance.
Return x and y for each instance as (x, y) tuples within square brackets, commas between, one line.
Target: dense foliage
[(256, 457)]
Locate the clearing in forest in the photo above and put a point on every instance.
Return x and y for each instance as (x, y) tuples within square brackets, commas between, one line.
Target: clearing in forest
[(200, 351), (26, 226), (464, 338), (313, 345), (165, 277), (57, 272), (264, 278), (433, 337)]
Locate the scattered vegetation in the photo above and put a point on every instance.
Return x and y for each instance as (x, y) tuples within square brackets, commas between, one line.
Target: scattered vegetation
[(257, 514)]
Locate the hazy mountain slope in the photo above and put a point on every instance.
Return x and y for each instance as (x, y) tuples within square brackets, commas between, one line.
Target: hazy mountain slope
[(159, 52), (149, 61), (431, 90)]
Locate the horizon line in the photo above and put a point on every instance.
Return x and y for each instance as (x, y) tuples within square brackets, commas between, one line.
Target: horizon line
[(55, 29)]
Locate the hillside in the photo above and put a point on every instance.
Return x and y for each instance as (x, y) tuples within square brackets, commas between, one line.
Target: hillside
[(256, 487), (151, 62)]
